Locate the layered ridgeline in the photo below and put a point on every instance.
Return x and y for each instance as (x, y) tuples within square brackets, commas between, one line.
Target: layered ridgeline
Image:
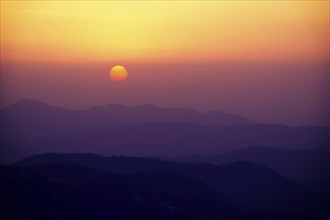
[(308, 167), (232, 190), (31, 127), (29, 118)]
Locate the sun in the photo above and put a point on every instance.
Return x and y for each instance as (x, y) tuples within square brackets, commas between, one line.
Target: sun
[(118, 73)]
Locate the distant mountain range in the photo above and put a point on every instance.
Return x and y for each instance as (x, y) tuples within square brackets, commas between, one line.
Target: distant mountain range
[(251, 185), (30, 127), (239, 169), (29, 118)]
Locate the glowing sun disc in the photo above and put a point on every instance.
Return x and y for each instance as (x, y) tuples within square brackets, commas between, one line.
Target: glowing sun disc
[(118, 73)]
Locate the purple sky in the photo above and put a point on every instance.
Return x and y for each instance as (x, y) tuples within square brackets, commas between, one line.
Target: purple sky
[(289, 93)]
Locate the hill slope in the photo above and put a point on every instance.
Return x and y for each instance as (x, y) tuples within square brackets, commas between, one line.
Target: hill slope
[(308, 167), (252, 184)]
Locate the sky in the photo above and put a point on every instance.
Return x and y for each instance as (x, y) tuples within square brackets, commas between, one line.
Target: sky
[(266, 60)]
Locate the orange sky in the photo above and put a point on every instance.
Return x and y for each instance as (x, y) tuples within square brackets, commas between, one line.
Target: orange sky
[(164, 31)]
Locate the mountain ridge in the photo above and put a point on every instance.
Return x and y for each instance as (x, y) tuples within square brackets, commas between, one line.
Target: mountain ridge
[(30, 118), (165, 139)]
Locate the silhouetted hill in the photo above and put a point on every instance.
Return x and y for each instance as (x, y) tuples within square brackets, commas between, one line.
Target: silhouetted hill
[(308, 167), (247, 183), (67, 191), (64, 191), (29, 118), (168, 139)]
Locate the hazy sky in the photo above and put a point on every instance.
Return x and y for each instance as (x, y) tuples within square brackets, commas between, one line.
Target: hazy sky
[(164, 31), (266, 60)]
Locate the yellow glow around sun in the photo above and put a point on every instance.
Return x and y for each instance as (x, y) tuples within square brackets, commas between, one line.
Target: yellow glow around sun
[(174, 31), (118, 73)]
